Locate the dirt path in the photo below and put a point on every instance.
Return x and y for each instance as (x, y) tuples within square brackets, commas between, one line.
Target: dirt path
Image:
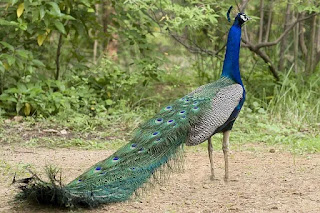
[(260, 182)]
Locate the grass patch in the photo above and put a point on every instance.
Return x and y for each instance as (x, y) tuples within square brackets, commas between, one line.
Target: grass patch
[(9, 170), (110, 132)]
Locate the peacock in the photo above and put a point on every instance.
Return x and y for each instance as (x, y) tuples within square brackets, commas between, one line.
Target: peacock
[(190, 120)]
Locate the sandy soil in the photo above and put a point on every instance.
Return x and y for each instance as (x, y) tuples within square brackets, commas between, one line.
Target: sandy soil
[(260, 182)]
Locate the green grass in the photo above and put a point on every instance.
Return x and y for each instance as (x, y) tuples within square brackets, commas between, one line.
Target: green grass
[(296, 100), (112, 131), (7, 168)]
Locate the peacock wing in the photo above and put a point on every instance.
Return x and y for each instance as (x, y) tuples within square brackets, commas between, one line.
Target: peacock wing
[(217, 114)]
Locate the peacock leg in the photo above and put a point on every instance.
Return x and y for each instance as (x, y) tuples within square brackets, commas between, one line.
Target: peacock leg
[(225, 148), (210, 149)]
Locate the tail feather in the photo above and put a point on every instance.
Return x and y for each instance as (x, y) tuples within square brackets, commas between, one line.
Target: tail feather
[(116, 178)]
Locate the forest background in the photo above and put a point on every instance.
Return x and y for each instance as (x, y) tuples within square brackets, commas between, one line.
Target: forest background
[(88, 71)]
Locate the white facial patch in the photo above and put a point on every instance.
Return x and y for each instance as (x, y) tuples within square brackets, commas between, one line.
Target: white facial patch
[(244, 17)]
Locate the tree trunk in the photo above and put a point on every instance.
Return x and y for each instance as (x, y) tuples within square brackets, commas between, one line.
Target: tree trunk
[(311, 53), (296, 47), (57, 75), (261, 20), (243, 5), (318, 35), (302, 42), (111, 47), (266, 39), (317, 55), (95, 44), (283, 43), (243, 8)]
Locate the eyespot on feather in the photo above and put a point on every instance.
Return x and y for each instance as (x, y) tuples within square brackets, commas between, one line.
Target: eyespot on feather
[(158, 120)]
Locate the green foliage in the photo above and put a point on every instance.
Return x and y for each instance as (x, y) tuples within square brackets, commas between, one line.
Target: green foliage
[(48, 98), (115, 83), (104, 88), (31, 27)]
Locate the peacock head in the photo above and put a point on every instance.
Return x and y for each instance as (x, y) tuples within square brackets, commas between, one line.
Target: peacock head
[(240, 19)]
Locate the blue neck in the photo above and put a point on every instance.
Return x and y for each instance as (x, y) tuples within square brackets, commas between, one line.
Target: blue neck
[(231, 61)]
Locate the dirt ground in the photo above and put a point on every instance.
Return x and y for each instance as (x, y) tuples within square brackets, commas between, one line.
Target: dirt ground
[(260, 182)]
